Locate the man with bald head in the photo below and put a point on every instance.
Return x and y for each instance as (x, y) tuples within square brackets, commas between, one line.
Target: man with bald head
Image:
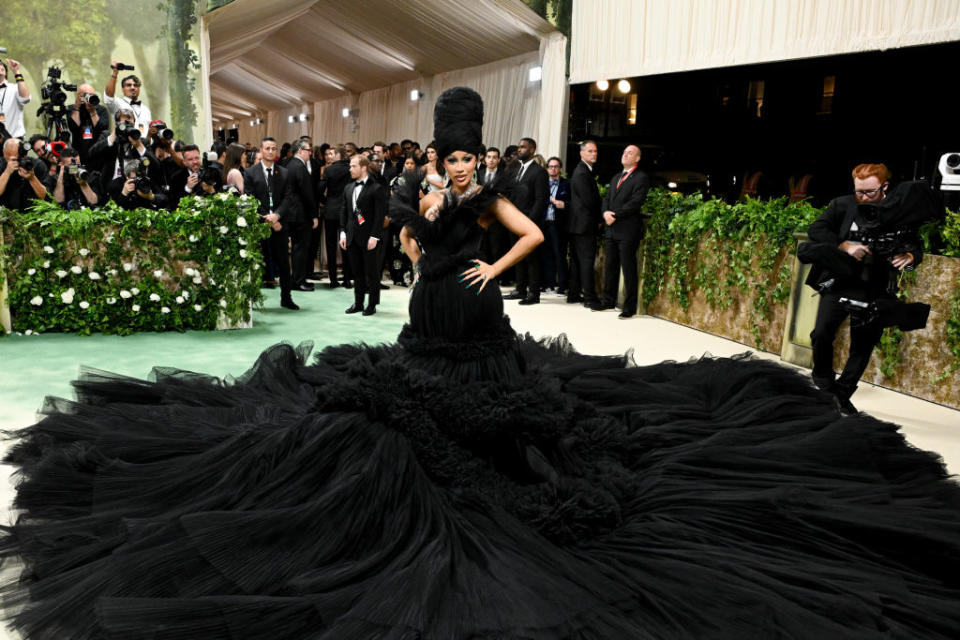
[(623, 220), (86, 119), (18, 186)]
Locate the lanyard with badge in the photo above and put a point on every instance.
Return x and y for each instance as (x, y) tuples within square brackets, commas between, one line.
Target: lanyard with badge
[(3, 116)]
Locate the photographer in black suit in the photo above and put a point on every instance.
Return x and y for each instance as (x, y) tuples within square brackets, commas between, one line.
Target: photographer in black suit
[(268, 183), (624, 219), (532, 200), (583, 221), (305, 213), (361, 224)]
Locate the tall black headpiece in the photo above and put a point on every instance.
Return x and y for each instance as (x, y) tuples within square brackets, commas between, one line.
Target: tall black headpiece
[(458, 122)]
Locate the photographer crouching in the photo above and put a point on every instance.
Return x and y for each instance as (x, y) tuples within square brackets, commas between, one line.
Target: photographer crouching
[(123, 143), (134, 189), (73, 186), (859, 246)]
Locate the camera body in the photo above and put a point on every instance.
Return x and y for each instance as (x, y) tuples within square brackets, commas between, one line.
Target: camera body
[(212, 170), (26, 162), (142, 180), (124, 67), (163, 131), (949, 168), (54, 92), (90, 98), (128, 130)]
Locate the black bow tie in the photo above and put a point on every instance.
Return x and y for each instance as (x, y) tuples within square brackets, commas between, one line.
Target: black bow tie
[(3, 85), (133, 102), (359, 183)]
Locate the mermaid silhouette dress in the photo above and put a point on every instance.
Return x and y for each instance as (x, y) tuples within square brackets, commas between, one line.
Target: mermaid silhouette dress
[(467, 482)]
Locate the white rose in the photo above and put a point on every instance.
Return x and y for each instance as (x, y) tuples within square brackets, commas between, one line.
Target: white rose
[(84, 304), (241, 221), (46, 264), (164, 309), (157, 273), (242, 242), (76, 269), (67, 296), (193, 238), (84, 251), (186, 295), (48, 248), (223, 303), (197, 280), (61, 273), (198, 199), (28, 332), (154, 297), (223, 229), (223, 196), (135, 308), (30, 272), (188, 271), (219, 251), (94, 275), (36, 301), (212, 281), (243, 253), (179, 299), (111, 272), (111, 300), (128, 266), (135, 291), (244, 197), (125, 294), (197, 307)]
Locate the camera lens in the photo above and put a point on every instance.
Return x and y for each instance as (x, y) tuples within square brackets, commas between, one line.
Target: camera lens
[(953, 160)]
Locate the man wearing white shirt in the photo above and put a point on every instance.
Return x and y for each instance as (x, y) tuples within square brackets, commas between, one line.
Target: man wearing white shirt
[(130, 99), (13, 95)]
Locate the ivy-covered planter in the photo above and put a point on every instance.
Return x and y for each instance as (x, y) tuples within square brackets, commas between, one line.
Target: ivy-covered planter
[(108, 270)]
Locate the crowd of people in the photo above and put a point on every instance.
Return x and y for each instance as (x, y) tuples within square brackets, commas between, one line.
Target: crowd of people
[(321, 198)]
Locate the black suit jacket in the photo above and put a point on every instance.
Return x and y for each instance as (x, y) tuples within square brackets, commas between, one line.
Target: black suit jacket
[(335, 179), (303, 204), (583, 212), (390, 170), (534, 195), (371, 205), (255, 184), (627, 203)]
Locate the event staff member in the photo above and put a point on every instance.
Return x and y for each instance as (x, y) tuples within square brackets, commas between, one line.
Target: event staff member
[(532, 201), (624, 219), (304, 214), (129, 99), (361, 225), (583, 220), (13, 95), (268, 183), (841, 217)]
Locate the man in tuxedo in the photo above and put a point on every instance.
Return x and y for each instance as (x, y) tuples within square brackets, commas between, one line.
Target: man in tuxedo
[(304, 212), (583, 221), (388, 168), (554, 227), (532, 201), (336, 175), (269, 183), (623, 218), (361, 225)]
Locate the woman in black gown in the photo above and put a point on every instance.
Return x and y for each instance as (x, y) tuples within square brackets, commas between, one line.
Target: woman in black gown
[(468, 482)]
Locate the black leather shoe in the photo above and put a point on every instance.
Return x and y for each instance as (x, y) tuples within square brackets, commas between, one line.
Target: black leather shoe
[(626, 314), (530, 300), (370, 310), (384, 287), (599, 306), (316, 275), (845, 406), (289, 304), (574, 299), (354, 308), (514, 295), (306, 286), (334, 285), (347, 284)]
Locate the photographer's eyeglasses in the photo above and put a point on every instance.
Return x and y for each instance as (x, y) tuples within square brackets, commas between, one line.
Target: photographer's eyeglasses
[(868, 193), (127, 85)]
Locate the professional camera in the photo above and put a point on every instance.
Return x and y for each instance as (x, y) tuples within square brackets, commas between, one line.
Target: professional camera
[(128, 130), (124, 67), (90, 98), (77, 171), (950, 172), (163, 131), (52, 107), (26, 162), (212, 171)]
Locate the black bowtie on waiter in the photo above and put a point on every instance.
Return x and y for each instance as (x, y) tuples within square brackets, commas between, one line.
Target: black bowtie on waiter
[(365, 207), (273, 191), (533, 196), (625, 198)]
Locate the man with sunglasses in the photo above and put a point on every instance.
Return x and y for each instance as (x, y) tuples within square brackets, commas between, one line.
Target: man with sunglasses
[(834, 227), (130, 99)]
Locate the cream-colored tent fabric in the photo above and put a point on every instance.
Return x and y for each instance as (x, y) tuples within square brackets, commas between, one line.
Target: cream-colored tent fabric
[(286, 57), (613, 39)]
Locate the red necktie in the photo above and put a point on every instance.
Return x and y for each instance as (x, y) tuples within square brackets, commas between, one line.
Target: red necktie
[(624, 177)]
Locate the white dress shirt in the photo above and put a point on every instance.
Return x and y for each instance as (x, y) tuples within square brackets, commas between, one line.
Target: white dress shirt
[(11, 106), (141, 112)]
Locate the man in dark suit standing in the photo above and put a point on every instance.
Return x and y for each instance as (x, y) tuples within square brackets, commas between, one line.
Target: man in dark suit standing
[(624, 219), (268, 183), (389, 169), (532, 201), (583, 220), (305, 213), (336, 175), (361, 223), (554, 227)]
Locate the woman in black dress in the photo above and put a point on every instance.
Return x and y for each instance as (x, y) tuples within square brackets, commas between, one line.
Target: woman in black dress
[(467, 482)]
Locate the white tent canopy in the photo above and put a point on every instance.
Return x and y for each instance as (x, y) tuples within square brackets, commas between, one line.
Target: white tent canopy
[(272, 60), (613, 39)]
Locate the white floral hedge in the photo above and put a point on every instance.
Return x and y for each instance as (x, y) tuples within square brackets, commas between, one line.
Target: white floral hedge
[(107, 270)]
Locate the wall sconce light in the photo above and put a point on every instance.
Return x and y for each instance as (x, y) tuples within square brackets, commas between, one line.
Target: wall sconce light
[(536, 74), (603, 85), (304, 117), (415, 95), (623, 86), (291, 119), (346, 112)]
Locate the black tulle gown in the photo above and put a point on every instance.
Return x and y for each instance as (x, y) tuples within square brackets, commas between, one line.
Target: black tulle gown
[(470, 483)]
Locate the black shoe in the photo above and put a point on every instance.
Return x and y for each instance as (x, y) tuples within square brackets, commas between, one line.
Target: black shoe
[(845, 406), (370, 310), (626, 314), (347, 284), (316, 275), (268, 285), (289, 304), (334, 285), (574, 299), (383, 287), (354, 308), (599, 306), (530, 300), (561, 291), (306, 286), (514, 295)]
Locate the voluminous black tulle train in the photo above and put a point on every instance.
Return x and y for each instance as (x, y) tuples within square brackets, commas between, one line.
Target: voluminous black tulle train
[(470, 483)]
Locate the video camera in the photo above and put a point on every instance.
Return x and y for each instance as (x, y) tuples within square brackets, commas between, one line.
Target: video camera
[(124, 67), (52, 107)]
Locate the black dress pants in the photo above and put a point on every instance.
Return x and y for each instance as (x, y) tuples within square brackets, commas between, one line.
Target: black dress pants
[(302, 260), (331, 240), (621, 255), (365, 263), (280, 252), (830, 314), (528, 275), (583, 255)]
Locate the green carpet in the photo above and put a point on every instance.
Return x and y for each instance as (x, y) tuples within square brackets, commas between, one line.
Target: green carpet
[(32, 367)]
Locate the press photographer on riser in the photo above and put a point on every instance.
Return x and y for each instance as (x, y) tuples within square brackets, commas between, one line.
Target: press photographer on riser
[(73, 186), (200, 175), (129, 99), (123, 143), (13, 95)]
